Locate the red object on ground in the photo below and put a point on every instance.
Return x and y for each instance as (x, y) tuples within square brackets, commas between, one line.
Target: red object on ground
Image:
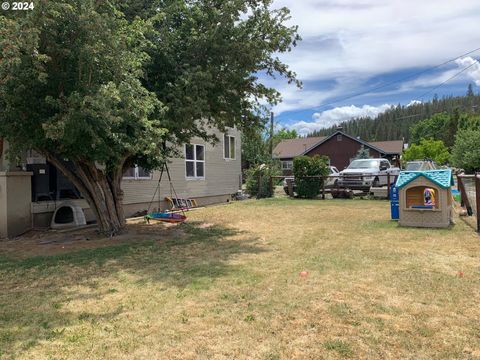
[(460, 274), (303, 274)]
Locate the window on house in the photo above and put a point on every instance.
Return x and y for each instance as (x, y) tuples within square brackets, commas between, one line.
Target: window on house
[(143, 173), (137, 172), (339, 137), (287, 165), (195, 161), (229, 147)]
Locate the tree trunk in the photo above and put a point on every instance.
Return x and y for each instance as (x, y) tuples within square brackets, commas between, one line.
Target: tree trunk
[(102, 191)]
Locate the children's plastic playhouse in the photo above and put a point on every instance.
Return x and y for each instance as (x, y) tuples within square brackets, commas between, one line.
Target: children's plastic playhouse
[(425, 198)]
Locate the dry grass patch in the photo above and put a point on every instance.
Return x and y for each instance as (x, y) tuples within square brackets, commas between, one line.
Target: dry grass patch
[(231, 289)]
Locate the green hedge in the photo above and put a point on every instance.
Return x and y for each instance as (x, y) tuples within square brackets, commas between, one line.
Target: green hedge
[(262, 172), (304, 166)]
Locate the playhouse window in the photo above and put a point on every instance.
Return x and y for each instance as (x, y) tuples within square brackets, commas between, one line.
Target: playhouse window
[(422, 197)]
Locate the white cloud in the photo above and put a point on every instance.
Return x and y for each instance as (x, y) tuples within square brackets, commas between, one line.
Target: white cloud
[(474, 71), (452, 75), (414, 102), (349, 42), (296, 99), (334, 116), (307, 98), (347, 37)]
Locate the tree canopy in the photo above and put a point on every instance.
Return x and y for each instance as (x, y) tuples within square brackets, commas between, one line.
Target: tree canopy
[(427, 149), (256, 144), (284, 134), (466, 151), (103, 83)]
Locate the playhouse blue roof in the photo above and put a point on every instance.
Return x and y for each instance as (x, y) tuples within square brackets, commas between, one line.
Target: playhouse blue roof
[(442, 178)]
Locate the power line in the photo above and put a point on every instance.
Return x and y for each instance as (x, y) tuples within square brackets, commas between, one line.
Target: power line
[(451, 78), (396, 81), (399, 80)]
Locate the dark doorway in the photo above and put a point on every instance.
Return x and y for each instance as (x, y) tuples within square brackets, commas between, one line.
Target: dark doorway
[(49, 184), (64, 215)]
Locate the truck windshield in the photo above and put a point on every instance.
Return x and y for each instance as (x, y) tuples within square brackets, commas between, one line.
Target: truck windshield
[(414, 166), (364, 164)]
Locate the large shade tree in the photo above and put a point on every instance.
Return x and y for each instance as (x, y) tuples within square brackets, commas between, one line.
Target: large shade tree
[(104, 83)]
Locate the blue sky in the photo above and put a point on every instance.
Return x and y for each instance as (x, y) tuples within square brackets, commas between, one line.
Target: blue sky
[(350, 46)]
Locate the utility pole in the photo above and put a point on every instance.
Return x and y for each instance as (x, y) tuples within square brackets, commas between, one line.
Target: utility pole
[(271, 133)]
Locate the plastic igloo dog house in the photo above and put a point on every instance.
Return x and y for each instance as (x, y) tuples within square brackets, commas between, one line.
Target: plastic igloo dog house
[(68, 215)]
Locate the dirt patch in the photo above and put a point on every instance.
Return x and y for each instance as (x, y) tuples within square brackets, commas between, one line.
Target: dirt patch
[(51, 242)]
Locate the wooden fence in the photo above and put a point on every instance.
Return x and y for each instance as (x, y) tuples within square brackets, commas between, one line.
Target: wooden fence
[(390, 179), (469, 187)]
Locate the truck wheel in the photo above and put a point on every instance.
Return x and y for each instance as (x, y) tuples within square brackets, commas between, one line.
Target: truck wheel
[(376, 182)]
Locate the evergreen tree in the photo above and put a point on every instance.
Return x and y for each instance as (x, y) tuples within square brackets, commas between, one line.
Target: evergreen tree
[(470, 90), (362, 153), (397, 122)]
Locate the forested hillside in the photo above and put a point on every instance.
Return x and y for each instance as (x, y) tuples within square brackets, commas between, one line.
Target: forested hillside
[(396, 123)]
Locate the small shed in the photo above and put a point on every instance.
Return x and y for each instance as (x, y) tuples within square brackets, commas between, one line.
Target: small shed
[(425, 198)]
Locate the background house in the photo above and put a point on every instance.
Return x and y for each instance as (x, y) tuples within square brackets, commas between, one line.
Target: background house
[(208, 173), (340, 148)]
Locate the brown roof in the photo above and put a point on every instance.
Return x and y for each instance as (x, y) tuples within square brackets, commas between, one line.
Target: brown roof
[(287, 149), (389, 147), (295, 147)]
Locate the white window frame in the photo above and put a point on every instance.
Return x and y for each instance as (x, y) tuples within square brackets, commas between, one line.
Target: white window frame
[(290, 162), (234, 147), (136, 175), (195, 161)]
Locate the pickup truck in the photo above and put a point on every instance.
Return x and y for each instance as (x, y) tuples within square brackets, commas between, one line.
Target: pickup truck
[(362, 174)]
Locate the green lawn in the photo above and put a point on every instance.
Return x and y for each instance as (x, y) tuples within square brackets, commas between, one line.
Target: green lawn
[(227, 286)]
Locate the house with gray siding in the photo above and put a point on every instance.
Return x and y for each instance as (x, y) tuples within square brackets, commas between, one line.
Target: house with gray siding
[(207, 173)]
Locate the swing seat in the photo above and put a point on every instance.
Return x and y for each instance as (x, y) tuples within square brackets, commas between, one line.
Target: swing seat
[(166, 217), (178, 203)]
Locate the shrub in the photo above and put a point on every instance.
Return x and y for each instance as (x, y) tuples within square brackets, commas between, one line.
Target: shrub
[(427, 149), (466, 150), (305, 166), (262, 172)]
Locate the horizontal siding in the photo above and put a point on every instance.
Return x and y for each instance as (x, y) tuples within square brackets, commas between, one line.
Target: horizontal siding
[(221, 176)]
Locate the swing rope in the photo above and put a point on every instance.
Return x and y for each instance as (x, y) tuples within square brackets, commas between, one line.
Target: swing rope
[(172, 188), (157, 189)]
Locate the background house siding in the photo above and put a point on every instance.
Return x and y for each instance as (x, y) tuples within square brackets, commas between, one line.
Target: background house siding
[(340, 152)]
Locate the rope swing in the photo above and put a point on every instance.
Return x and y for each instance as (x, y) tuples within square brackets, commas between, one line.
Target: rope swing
[(164, 216)]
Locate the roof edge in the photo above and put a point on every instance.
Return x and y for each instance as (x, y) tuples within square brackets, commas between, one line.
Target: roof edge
[(363, 142), (424, 174)]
